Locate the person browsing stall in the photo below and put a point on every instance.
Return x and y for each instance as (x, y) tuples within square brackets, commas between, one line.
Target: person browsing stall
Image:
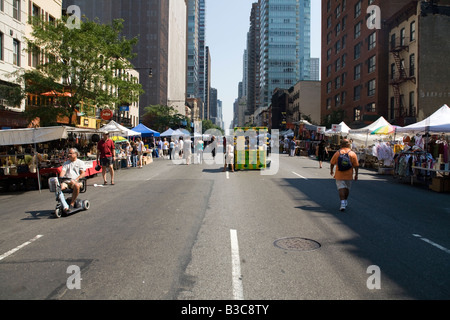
[(72, 171), (106, 155)]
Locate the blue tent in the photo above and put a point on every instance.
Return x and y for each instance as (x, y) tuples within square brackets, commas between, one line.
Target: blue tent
[(145, 131)]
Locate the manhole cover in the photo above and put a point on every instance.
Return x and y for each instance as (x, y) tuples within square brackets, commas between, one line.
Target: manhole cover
[(296, 243)]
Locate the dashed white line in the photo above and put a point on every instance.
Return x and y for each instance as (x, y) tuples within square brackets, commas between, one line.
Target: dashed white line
[(228, 175), (238, 292), (299, 175), (10, 252), (432, 243)]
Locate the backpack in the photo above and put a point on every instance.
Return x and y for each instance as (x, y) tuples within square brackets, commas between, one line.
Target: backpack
[(344, 162)]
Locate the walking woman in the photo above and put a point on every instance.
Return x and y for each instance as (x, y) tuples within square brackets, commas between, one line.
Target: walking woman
[(321, 150)]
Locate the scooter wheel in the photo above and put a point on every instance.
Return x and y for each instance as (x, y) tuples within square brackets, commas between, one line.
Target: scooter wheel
[(86, 205), (58, 213)]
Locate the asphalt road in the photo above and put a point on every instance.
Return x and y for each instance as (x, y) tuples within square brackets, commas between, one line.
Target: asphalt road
[(179, 232)]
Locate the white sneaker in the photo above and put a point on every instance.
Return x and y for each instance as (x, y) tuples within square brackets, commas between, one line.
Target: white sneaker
[(342, 208), (346, 203)]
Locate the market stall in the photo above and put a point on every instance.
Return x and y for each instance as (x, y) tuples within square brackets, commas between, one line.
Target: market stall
[(427, 156), (30, 156)]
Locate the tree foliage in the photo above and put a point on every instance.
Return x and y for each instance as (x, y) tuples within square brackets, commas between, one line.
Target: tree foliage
[(160, 118), (89, 62)]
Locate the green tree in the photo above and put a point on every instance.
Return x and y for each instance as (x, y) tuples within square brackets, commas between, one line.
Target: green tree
[(89, 63), (160, 118), (207, 124)]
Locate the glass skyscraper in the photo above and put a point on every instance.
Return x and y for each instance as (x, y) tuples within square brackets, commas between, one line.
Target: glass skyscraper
[(284, 45)]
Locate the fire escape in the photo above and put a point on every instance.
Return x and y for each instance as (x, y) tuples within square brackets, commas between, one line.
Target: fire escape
[(398, 77)]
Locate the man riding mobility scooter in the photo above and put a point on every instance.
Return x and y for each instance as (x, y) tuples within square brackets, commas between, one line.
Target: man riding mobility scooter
[(71, 180)]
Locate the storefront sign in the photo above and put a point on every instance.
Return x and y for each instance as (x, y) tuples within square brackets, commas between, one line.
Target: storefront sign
[(321, 129), (106, 114), (336, 128)]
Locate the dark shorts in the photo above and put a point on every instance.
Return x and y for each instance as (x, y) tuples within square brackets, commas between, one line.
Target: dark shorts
[(106, 162)]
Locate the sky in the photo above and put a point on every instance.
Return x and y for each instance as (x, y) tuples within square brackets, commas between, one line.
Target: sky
[(227, 24)]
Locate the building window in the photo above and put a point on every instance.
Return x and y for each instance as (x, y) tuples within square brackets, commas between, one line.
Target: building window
[(372, 64), (371, 88), (329, 70), (329, 87), (328, 103), (358, 9), (372, 40), (329, 35), (344, 41), (357, 29), (2, 5), (337, 64), (338, 11), (356, 93), (402, 36), (357, 51), (357, 72), (371, 107), (344, 22), (337, 82), (338, 46), (344, 60), (328, 54), (16, 52), (16, 9), (412, 65), (357, 114), (343, 96), (329, 22), (392, 71), (338, 28), (412, 31), (337, 100), (411, 104), (344, 77)]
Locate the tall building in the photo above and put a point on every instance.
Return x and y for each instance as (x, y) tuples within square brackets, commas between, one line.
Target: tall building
[(207, 83), (284, 45), (355, 60), (418, 87), (202, 59), (253, 54), (161, 29), (192, 75), (315, 69)]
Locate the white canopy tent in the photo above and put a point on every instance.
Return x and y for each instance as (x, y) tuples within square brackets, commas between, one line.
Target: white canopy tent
[(371, 127), (345, 129), (167, 133), (32, 135), (438, 122), (117, 129)]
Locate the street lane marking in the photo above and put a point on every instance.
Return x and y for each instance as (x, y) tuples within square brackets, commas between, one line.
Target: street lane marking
[(299, 175), (228, 175), (10, 252), (238, 292), (432, 243)]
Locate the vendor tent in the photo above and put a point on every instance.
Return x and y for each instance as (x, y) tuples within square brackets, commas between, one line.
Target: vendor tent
[(371, 127), (117, 129), (167, 133), (181, 132), (146, 131), (32, 135), (344, 128), (438, 122)]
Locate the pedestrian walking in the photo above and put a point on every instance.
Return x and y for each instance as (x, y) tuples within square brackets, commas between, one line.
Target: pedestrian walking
[(346, 162), (229, 154), (134, 154), (128, 150), (140, 149), (292, 148), (165, 147), (171, 148), (199, 150), (187, 149), (106, 156), (321, 150)]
